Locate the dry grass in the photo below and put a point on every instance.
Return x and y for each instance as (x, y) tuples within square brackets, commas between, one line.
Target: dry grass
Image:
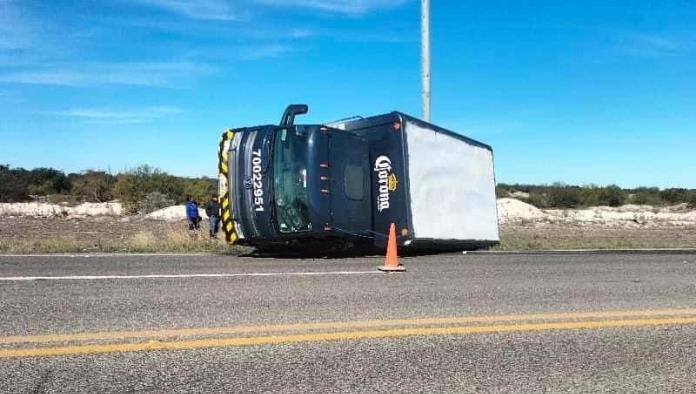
[(564, 237), (91, 235), (158, 237)]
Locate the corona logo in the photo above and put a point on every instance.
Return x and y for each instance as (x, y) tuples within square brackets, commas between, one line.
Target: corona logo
[(392, 182), (386, 180)]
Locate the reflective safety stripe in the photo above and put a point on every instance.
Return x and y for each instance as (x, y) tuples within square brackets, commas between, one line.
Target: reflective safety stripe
[(224, 187)]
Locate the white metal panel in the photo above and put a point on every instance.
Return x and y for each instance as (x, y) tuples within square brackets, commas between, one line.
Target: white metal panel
[(452, 187)]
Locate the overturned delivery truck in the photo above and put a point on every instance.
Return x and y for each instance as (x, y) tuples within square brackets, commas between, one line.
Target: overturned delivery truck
[(345, 183)]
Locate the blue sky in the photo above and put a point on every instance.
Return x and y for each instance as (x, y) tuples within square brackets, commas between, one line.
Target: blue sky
[(574, 91)]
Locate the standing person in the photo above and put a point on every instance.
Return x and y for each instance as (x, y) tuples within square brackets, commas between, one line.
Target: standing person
[(212, 209), (192, 213)]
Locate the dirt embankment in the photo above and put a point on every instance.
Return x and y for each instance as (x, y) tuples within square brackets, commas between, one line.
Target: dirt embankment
[(525, 227), (512, 211), (38, 209), (44, 210)]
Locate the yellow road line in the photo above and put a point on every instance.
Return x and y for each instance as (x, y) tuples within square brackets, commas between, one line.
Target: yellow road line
[(338, 336), (339, 325)]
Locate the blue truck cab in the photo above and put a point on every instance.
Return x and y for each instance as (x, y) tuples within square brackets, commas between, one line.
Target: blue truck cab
[(335, 184)]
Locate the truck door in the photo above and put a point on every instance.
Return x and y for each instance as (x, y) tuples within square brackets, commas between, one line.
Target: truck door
[(350, 202)]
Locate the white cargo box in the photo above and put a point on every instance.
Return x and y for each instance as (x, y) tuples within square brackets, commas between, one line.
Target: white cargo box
[(451, 185)]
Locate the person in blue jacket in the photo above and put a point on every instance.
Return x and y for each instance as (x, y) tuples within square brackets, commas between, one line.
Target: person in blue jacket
[(192, 215)]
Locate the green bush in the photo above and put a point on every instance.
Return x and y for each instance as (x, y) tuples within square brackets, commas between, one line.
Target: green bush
[(646, 196), (154, 201), (44, 188), (200, 189), (18, 184), (501, 192), (45, 181), (92, 186), (561, 196), (691, 202), (14, 184), (675, 196), (132, 186), (538, 199), (611, 195)]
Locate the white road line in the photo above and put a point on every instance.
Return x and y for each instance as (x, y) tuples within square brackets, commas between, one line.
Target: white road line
[(182, 276)]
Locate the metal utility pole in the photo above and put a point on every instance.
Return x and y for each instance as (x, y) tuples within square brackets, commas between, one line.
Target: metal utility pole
[(425, 58)]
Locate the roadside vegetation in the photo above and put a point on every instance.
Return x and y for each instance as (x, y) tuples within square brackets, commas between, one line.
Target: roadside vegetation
[(145, 189), (141, 190), (559, 195)]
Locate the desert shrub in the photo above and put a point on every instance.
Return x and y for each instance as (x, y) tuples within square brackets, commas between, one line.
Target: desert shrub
[(691, 202), (154, 201), (199, 189), (18, 184), (501, 191), (45, 181), (611, 195), (44, 188), (561, 196), (591, 196), (674, 196), (646, 196), (14, 184), (538, 199), (133, 186), (92, 186)]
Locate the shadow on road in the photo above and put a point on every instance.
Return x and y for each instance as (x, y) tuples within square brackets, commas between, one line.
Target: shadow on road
[(285, 252)]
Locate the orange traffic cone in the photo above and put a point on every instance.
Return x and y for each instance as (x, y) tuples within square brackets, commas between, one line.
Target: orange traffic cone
[(391, 262)]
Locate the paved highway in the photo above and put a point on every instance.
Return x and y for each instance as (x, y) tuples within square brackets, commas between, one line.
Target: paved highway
[(451, 323)]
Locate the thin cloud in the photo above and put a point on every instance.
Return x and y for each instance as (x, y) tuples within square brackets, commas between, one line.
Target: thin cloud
[(350, 7), (235, 10), (650, 45), (26, 38), (110, 115), (14, 30), (302, 33), (392, 35), (221, 10), (155, 74), (264, 51)]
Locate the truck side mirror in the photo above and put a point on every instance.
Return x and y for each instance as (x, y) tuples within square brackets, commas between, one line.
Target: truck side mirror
[(288, 118)]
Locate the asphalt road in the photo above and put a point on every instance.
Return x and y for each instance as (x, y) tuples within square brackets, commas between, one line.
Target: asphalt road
[(451, 323)]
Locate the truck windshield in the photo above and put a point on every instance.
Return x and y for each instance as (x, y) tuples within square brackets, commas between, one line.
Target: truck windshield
[(290, 181)]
